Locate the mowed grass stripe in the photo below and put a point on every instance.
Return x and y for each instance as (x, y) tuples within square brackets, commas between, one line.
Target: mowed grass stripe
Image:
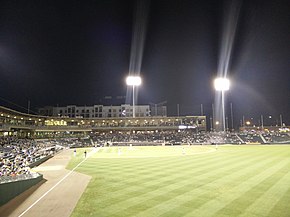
[(180, 187), (255, 193), (162, 169), (192, 192), (271, 196), (193, 198), (281, 208), (122, 164), (117, 165), (177, 152), (167, 169), (145, 152), (140, 183), (96, 187), (213, 206)]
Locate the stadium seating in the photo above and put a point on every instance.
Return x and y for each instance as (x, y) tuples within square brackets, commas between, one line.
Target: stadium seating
[(18, 155)]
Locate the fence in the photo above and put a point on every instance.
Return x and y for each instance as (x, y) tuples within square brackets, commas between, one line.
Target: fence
[(10, 187)]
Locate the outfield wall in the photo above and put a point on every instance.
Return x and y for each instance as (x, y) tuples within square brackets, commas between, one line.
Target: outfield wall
[(11, 189)]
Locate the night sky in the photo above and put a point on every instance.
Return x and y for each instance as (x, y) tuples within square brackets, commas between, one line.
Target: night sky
[(78, 52)]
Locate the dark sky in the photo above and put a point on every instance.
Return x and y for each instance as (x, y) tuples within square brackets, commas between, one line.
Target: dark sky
[(78, 52)]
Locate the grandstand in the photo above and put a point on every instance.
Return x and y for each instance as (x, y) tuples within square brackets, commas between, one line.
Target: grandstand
[(35, 126)]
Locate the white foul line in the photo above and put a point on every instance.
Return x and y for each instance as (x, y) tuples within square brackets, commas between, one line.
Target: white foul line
[(32, 205)]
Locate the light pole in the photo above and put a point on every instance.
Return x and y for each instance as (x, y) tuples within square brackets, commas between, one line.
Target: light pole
[(281, 120), (222, 84), (232, 117), (262, 122), (133, 81)]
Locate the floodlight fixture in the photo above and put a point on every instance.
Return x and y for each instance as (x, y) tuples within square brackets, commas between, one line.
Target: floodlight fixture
[(133, 81), (221, 84)]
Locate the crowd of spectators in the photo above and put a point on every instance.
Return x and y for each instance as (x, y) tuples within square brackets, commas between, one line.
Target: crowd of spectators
[(17, 155), (189, 137), (276, 137), (70, 142)]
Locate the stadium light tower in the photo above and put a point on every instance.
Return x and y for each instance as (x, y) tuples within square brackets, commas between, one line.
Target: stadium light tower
[(133, 81), (222, 84)]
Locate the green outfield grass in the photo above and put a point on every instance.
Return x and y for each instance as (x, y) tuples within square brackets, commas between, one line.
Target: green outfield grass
[(186, 181)]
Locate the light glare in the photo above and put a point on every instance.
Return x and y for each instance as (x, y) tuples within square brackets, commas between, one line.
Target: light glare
[(133, 80), (221, 84)]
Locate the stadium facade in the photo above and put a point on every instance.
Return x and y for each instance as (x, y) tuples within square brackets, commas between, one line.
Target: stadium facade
[(39, 126)]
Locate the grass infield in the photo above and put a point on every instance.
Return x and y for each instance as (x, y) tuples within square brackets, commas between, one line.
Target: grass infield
[(186, 181)]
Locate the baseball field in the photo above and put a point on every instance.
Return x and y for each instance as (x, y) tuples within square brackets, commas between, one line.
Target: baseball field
[(248, 180)]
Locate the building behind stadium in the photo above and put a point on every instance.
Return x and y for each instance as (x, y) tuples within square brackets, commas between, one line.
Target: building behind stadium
[(103, 111)]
